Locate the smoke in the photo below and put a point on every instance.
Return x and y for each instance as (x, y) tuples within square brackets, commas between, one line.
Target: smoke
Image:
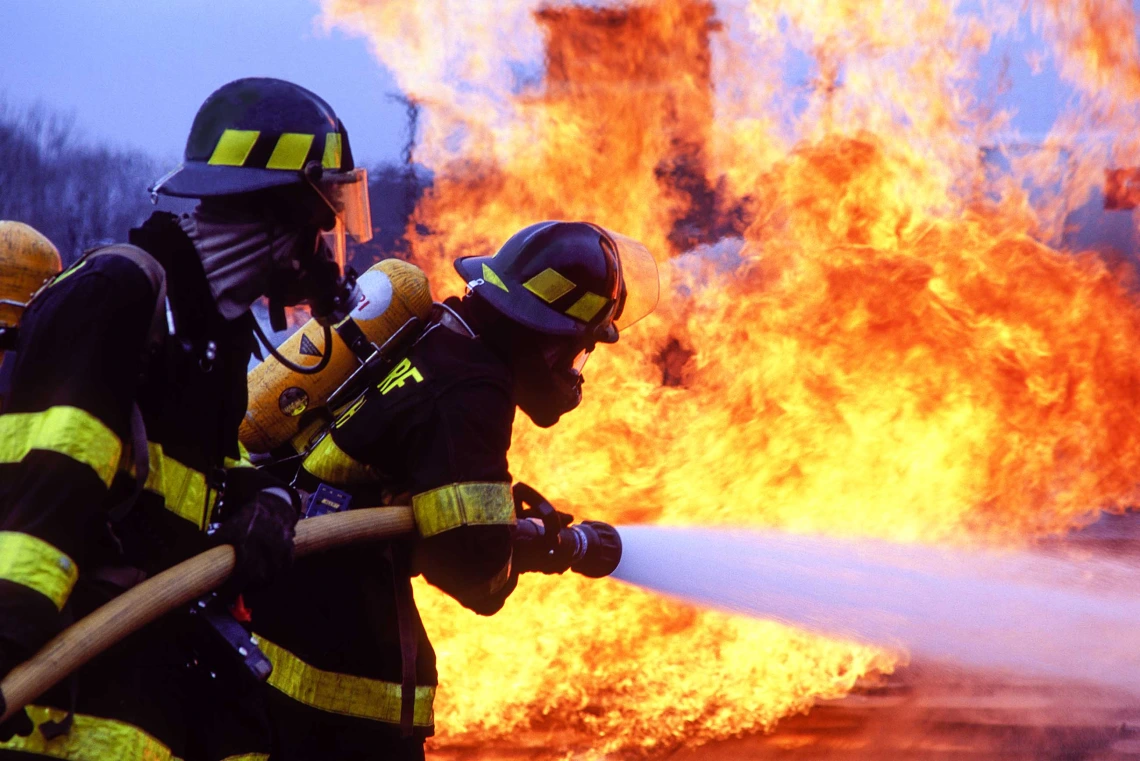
[(1028, 612)]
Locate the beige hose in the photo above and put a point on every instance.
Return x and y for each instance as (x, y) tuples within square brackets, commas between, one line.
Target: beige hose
[(176, 587)]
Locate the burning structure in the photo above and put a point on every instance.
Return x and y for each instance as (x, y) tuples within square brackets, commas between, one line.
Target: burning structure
[(864, 330)]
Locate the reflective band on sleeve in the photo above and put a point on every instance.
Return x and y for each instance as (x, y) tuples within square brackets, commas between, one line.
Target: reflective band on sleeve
[(90, 737), (330, 463), (184, 490), (587, 307), (290, 151), (69, 431), (32, 562), (233, 147), (342, 693), (455, 505)]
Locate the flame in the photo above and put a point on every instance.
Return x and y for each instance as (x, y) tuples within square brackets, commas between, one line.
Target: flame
[(863, 328)]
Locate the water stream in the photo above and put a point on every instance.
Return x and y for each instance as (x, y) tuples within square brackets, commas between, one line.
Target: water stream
[(1034, 612)]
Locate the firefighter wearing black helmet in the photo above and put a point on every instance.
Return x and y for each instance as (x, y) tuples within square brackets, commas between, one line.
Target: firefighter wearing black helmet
[(119, 452), (354, 674)]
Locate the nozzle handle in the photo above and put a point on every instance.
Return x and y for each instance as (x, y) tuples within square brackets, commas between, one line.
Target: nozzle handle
[(602, 551)]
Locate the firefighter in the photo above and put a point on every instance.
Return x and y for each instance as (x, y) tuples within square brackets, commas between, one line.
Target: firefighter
[(27, 261), (119, 447), (354, 674)]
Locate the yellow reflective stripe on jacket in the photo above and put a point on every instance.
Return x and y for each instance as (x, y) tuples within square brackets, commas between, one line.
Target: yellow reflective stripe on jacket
[(248, 757), (69, 431), (342, 693), (242, 461), (330, 463), (470, 504), (184, 490), (90, 738), (38, 565)]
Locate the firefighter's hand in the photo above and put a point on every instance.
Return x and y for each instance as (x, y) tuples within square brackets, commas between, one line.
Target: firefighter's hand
[(11, 655), (261, 532), (540, 556)]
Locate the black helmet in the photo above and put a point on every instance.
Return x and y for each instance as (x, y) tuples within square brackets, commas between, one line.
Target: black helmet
[(571, 279), (254, 134), (258, 133)]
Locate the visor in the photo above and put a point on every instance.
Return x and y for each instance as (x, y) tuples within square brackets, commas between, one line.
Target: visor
[(639, 274), (346, 193), (570, 356)]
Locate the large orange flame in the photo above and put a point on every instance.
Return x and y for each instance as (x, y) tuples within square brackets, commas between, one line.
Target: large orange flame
[(861, 330)]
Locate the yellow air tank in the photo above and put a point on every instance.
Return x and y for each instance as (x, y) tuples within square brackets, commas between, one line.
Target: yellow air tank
[(27, 259), (282, 402)]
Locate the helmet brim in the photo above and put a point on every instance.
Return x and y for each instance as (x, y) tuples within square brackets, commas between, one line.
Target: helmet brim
[(199, 180), (536, 316)]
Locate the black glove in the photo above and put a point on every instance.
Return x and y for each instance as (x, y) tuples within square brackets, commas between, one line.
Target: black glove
[(11, 655), (546, 552), (536, 555), (261, 532)]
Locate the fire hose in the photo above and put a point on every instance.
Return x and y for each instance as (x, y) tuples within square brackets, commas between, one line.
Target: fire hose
[(175, 587), (595, 550)]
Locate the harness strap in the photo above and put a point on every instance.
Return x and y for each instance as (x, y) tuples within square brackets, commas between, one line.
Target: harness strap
[(140, 455), (156, 333), (406, 619)]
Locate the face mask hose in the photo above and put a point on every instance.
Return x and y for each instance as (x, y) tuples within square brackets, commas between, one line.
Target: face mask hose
[(325, 357), (326, 311)]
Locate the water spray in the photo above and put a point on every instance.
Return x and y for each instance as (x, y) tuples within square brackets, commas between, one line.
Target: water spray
[(1031, 612)]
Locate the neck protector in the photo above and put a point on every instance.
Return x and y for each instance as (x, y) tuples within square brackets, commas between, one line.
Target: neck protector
[(240, 258)]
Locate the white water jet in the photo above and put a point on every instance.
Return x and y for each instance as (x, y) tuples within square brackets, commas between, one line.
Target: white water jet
[(1032, 612)]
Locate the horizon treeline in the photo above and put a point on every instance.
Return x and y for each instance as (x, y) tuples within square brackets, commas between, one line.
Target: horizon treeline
[(81, 194)]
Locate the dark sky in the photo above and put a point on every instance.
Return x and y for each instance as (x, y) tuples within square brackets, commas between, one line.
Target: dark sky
[(135, 71)]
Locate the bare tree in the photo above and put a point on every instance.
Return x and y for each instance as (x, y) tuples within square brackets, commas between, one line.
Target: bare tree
[(77, 194)]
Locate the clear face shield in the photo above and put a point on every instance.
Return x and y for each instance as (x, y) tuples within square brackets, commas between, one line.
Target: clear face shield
[(568, 356), (346, 193), (641, 284), (640, 279)]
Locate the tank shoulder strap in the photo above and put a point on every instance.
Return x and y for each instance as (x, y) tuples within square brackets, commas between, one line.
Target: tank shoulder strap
[(156, 276)]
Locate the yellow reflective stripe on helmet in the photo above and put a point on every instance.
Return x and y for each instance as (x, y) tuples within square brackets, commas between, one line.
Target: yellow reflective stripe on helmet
[(331, 157), (342, 693), (587, 307), (492, 278), (330, 463), (290, 151), (233, 147), (69, 431), (90, 737), (469, 504), (36, 564), (549, 285), (185, 491)]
